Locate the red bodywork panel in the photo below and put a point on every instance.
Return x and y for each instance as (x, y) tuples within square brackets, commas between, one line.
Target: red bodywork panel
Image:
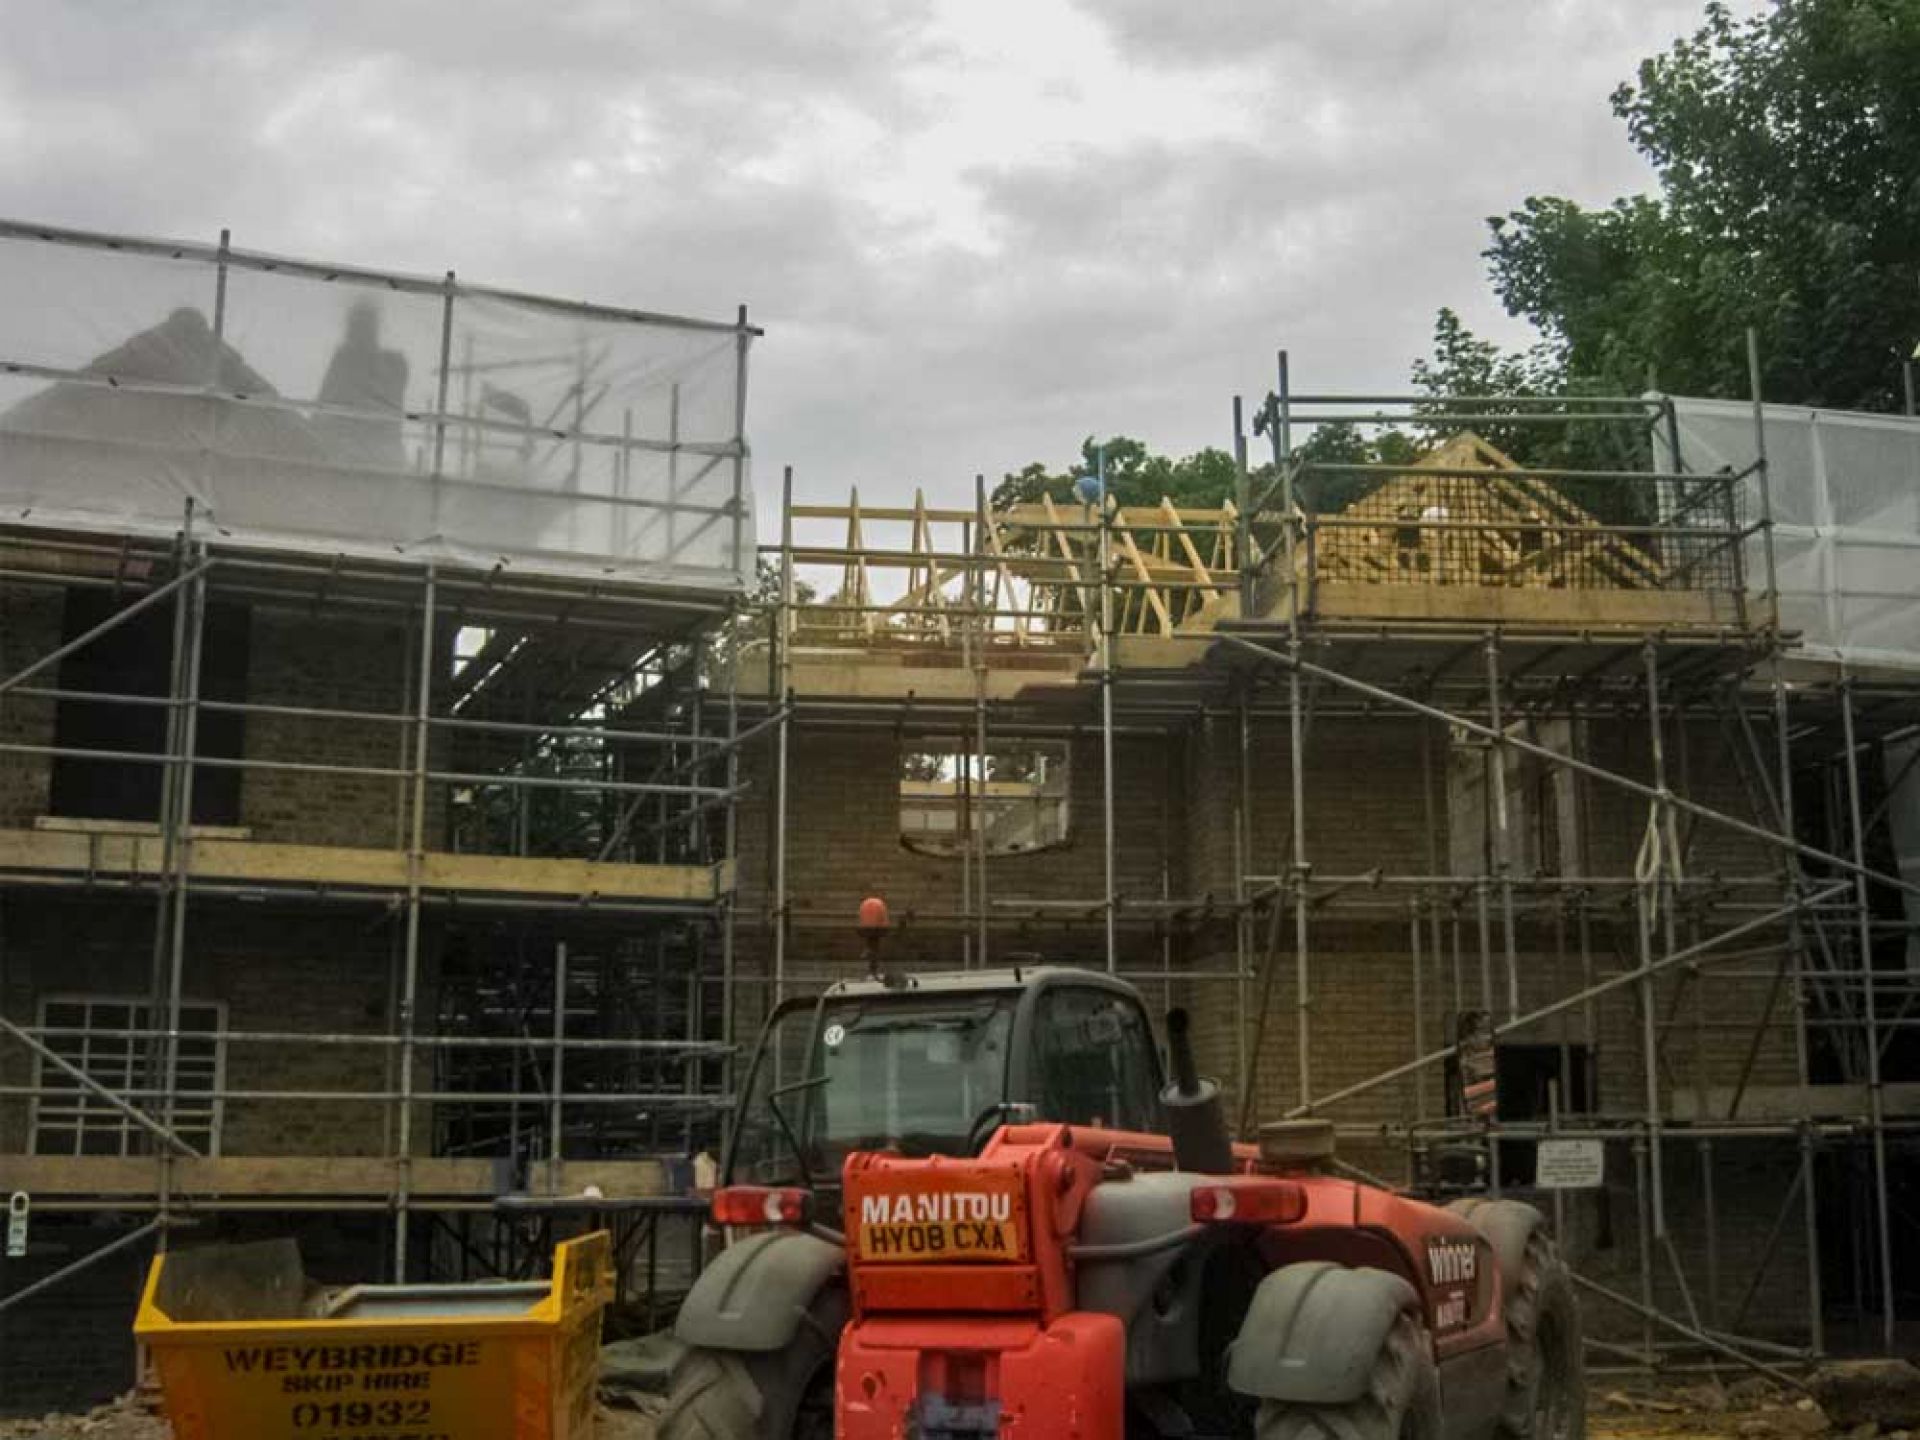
[(1044, 1182), (1437, 1252), (1067, 1378), (963, 1291)]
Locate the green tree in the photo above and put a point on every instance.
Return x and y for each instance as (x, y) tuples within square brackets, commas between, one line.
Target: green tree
[(1464, 368), (1023, 487), (1135, 475), (1343, 443), (1788, 152)]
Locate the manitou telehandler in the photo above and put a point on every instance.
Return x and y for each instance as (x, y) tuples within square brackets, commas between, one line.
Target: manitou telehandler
[(965, 1205)]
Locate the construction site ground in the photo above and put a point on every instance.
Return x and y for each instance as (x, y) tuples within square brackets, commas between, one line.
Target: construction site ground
[(131, 1418), (1700, 1408)]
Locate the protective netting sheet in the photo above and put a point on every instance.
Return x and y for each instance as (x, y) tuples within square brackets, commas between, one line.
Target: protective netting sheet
[(346, 412), (1845, 489)]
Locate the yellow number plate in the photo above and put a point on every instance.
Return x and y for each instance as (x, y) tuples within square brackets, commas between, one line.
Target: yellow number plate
[(936, 1219)]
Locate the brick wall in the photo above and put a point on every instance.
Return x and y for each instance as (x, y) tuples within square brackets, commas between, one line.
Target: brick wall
[(843, 843), (296, 658), (29, 629), (277, 968), (73, 1347), (1602, 1232), (1364, 797), (335, 664), (1365, 791)]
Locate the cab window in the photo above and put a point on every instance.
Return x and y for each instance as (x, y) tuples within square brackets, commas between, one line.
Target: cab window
[(1093, 1060)]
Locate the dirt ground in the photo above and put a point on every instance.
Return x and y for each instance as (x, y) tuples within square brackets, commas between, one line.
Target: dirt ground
[(1735, 1408), (129, 1419)]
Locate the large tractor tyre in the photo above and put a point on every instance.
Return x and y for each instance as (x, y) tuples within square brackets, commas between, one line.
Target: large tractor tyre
[(785, 1394), (1402, 1400), (1546, 1387)]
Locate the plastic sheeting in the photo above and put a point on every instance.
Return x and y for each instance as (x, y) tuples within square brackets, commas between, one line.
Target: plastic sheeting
[(344, 412), (1845, 489)]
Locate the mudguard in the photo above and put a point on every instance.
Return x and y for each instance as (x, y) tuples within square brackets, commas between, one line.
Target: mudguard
[(1506, 1225), (1313, 1332), (754, 1296)]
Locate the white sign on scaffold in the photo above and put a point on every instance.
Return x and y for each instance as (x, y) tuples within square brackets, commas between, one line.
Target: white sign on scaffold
[(17, 1207), (1570, 1165)]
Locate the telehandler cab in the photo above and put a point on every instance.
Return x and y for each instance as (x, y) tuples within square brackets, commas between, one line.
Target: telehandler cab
[(966, 1205)]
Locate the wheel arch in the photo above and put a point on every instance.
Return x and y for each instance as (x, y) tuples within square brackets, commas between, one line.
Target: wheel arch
[(1313, 1331), (757, 1293)]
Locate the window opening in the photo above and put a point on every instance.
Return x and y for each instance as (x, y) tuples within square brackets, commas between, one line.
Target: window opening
[(1018, 800), (1542, 832), (135, 659), (96, 1034)]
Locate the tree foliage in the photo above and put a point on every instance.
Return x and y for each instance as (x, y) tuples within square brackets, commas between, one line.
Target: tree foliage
[(1466, 377), (1342, 443), (1460, 367), (1135, 475), (1788, 152)]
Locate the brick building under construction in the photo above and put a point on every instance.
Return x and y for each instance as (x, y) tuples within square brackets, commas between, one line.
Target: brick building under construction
[(410, 800)]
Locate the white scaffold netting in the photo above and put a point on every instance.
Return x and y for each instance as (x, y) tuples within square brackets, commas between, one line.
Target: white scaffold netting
[(1845, 489), (368, 415)]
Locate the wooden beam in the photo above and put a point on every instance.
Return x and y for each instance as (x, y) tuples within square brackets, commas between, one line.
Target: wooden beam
[(1181, 534), (351, 868), (1523, 605), (878, 512), (1065, 546), (1155, 600), (1003, 580), (243, 1176), (855, 584)]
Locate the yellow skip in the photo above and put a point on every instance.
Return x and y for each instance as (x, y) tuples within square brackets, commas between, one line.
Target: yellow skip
[(380, 1362)]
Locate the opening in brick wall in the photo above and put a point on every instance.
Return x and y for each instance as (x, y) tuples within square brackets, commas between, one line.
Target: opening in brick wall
[(1526, 1076), (1542, 835), (134, 659), (1014, 797)]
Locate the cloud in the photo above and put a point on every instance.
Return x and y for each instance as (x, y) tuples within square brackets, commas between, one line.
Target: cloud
[(975, 230)]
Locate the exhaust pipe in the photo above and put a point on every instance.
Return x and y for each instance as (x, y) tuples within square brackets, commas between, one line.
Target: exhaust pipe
[(1196, 1117)]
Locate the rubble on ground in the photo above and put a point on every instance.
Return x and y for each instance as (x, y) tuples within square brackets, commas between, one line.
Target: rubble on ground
[(1736, 1406), (1884, 1394), (130, 1417)]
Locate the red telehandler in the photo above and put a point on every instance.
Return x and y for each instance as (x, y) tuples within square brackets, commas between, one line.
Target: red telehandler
[(966, 1205)]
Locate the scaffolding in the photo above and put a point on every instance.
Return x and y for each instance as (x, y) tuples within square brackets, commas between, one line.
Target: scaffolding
[(1587, 623), (535, 528), (584, 713)]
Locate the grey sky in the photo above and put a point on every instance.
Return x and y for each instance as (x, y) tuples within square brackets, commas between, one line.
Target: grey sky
[(975, 231)]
